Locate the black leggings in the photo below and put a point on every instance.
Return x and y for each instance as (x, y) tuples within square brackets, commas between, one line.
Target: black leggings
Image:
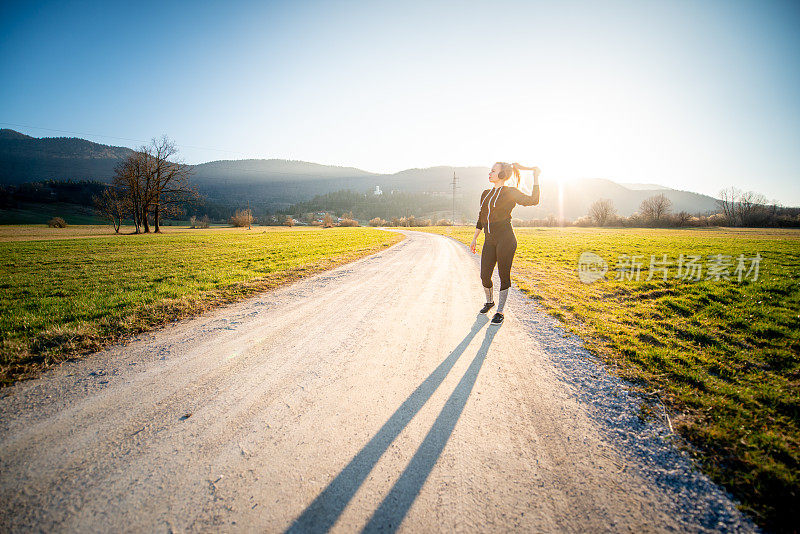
[(498, 247)]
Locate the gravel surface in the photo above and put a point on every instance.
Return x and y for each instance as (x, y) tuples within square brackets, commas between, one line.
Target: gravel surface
[(372, 396)]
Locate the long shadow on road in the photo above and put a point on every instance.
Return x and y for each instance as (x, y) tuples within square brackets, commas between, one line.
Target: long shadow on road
[(395, 506), (323, 512)]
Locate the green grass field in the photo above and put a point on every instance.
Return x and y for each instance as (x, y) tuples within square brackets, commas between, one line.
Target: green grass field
[(35, 214), (64, 292), (723, 355)]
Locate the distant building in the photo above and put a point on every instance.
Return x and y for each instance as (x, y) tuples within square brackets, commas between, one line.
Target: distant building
[(377, 190)]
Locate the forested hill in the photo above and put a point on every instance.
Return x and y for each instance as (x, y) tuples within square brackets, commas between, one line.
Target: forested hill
[(275, 184), (31, 159)]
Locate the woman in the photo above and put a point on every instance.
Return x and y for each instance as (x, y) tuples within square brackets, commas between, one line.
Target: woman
[(495, 219)]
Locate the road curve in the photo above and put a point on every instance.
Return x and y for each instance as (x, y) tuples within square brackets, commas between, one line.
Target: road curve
[(369, 397)]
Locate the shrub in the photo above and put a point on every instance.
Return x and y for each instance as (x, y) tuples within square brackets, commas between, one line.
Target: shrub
[(199, 223), (57, 222), (395, 221), (602, 212), (787, 220), (635, 220), (348, 222), (717, 219), (682, 218), (655, 208), (242, 218), (377, 221), (327, 221), (444, 222), (289, 221), (549, 221)]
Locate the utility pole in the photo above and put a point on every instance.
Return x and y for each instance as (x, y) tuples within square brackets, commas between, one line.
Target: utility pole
[(455, 185)]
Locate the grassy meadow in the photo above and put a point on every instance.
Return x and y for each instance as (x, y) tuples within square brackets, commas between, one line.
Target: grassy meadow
[(723, 355), (32, 213), (65, 292)]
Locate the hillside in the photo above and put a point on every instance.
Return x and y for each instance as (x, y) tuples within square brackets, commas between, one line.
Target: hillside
[(578, 195), (262, 170), (26, 159), (273, 184)]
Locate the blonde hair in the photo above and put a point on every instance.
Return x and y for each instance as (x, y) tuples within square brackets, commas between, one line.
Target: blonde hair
[(510, 169)]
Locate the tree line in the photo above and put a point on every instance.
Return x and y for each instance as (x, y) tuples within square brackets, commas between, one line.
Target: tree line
[(80, 192), (151, 185), (737, 208), (367, 206), (148, 185)]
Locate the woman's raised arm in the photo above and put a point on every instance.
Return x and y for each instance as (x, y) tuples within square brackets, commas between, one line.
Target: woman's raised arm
[(526, 200)]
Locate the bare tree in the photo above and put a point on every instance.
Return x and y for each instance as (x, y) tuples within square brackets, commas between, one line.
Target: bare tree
[(130, 180), (167, 181), (602, 212), (746, 208), (654, 208), (682, 218), (727, 203), (111, 205), (773, 210), (242, 218), (751, 208), (154, 183)]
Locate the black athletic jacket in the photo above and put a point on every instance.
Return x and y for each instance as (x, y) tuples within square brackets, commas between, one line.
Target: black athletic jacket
[(497, 203)]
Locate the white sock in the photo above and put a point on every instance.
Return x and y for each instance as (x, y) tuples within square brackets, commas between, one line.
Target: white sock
[(501, 303), (489, 291)]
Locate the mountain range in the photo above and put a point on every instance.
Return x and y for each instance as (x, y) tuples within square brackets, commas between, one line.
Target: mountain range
[(277, 183)]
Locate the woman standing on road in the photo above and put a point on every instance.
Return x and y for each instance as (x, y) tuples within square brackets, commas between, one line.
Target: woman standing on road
[(494, 218)]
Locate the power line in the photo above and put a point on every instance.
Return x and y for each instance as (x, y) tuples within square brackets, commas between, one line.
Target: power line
[(455, 185)]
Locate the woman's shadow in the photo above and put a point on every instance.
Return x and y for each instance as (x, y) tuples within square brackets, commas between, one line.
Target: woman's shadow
[(323, 512)]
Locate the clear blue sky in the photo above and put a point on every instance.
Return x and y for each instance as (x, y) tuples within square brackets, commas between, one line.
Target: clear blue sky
[(693, 95)]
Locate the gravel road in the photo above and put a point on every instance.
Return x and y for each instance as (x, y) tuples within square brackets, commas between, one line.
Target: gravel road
[(372, 396)]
